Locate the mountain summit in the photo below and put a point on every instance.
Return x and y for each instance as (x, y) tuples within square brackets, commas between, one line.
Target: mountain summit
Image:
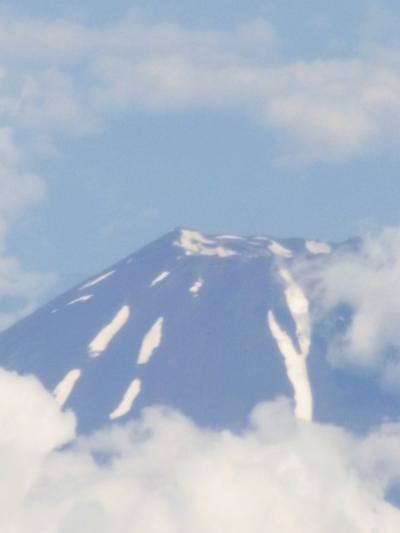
[(209, 325)]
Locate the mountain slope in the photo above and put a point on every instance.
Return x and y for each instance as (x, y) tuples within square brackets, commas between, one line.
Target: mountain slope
[(208, 325)]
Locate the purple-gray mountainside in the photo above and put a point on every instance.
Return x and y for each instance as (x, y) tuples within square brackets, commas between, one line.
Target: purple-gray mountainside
[(208, 325)]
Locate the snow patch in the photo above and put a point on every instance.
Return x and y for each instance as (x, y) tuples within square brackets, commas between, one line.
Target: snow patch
[(230, 237), (299, 308), (97, 280), (195, 288), (127, 401), (63, 390), (295, 361), (151, 342), (316, 247), (194, 243), (84, 298), (296, 370), (159, 278), (105, 336), (279, 250)]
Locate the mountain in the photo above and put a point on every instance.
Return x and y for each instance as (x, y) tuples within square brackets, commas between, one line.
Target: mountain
[(210, 325)]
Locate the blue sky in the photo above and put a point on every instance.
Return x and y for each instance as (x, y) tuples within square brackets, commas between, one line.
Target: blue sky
[(119, 124)]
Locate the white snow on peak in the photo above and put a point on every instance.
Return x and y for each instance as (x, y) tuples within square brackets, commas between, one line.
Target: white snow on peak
[(299, 308), (230, 237), (197, 285), (63, 390), (296, 370), (151, 342), (127, 401), (105, 336), (97, 280), (295, 361), (317, 247), (84, 298), (194, 243), (159, 278), (279, 250)]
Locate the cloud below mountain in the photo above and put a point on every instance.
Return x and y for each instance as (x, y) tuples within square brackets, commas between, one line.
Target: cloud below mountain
[(163, 474)]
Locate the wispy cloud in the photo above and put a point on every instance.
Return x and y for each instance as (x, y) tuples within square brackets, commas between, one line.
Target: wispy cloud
[(20, 190), (366, 280), (63, 78), (163, 474)]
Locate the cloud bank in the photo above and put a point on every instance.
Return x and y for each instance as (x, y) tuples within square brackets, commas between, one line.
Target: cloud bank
[(60, 77), (162, 474)]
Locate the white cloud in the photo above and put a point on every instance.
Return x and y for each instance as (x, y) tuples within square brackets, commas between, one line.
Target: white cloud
[(15, 282), (367, 280), (65, 78), (20, 190), (327, 110), (163, 474), (32, 427), (24, 288)]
